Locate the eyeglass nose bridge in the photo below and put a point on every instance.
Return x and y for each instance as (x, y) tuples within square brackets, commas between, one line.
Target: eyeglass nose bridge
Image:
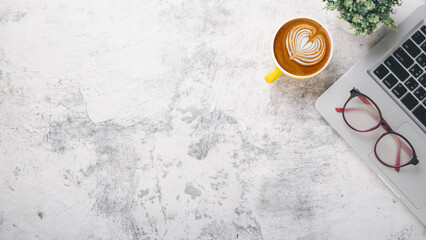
[(385, 125)]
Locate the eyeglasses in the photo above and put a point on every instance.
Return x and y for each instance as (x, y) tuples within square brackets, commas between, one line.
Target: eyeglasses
[(363, 115)]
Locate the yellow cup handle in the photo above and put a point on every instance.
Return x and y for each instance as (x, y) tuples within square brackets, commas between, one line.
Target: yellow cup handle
[(273, 75)]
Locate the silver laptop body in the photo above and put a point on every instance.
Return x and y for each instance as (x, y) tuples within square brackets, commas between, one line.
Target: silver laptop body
[(410, 183)]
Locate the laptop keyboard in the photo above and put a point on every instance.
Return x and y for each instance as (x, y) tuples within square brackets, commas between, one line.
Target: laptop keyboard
[(404, 74)]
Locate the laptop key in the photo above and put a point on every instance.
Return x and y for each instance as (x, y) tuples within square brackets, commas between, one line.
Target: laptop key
[(411, 83), (422, 80), (418, 37), (399, 90), (423, 46), (403, 57), (409, 101), (390, 81), (420, 93), (423, 29), (411, 48), (381, 71), (396, 68), (420, 113), (416, 70), (421, 60)]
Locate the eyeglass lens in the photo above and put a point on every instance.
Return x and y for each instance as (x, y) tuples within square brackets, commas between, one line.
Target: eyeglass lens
[(361, 114), (393, 150)]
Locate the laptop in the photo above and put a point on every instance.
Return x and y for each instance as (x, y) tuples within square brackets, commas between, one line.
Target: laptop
[(393, 75)]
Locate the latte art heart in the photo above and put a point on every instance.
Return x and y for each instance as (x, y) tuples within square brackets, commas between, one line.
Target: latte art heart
[(304, 46)]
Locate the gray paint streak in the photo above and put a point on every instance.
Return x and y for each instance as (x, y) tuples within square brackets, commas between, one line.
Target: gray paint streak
[(192, 191)]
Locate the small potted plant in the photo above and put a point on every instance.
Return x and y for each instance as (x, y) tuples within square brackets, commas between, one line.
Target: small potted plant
[(364, 16)]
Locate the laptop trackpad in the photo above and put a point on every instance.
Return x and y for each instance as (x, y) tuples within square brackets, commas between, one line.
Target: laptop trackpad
[(411, 179)]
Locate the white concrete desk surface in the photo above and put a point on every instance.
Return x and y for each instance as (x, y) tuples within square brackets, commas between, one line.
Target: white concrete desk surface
[(151, 120)]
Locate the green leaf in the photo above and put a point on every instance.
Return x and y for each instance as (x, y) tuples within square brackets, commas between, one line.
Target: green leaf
[(364, 15)]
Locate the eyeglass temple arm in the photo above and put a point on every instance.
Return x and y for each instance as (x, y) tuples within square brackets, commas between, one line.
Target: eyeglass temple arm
[(398, 155)]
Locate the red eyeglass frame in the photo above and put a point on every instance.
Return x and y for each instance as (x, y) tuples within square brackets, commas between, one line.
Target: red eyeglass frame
[(364, 98)]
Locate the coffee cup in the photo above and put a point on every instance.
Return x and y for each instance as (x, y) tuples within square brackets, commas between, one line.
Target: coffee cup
[(301, 49)]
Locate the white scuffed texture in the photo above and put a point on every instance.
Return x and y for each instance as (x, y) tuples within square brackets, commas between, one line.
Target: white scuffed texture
[(151, 120)]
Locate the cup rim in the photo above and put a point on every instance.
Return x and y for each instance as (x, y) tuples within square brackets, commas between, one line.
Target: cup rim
[(297, 76)]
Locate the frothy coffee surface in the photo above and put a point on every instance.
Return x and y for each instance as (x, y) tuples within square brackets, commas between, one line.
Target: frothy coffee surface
[(302, 47)]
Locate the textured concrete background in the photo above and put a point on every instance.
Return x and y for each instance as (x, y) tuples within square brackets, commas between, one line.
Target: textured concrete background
[(151, 120)]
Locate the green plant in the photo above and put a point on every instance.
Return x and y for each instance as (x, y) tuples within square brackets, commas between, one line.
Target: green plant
[(365, 15)]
